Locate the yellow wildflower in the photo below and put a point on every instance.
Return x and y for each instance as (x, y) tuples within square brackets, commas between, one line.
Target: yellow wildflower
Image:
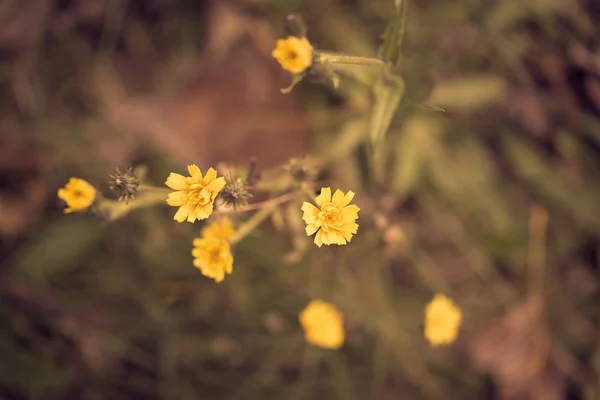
[(334, 222), (222, 228), (442, 320), (212, 255), (323, 324), (78, 194), (294, 54), (194, 194)]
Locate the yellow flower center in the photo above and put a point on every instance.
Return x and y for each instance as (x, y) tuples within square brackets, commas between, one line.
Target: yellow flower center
[(331, 217), (199, 195)]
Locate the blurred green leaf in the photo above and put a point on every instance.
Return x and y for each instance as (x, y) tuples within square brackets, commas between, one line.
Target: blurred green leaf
[(416, 145), (389, 91), (57, 247), (391, 48), (387, 99), (580, 201), (468, 92)]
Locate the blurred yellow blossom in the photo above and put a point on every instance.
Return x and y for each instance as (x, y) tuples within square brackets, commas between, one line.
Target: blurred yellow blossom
[(442, 320), (294, 54), (212, 255), (323, 324), (334, 222), (78, 194), (221, 227), (194, 194)]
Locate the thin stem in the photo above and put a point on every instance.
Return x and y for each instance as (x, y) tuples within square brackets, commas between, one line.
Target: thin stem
[(337, 58), (262, 204), (251, 224)]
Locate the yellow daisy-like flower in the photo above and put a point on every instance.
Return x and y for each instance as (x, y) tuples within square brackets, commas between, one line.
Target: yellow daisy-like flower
[(442, 320), (323, 324), (221, 228), (294, 54), (212, 255), (334, 222), (194, 194), (78, 194)]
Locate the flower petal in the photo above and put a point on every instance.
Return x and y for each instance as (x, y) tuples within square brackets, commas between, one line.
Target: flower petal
[(195, 172), (182, 213), (177, 199), (311, 228), (324, 197), (215, 185), (210, 176), (347, 198), (350, 213), (310, 212), (338, 198), (319, 238), (177, 181)]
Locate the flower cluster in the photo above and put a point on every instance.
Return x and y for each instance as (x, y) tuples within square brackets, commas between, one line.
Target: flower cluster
[(442, 320)]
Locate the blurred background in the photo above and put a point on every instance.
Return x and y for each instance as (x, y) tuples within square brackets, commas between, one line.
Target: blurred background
[(494, 202)]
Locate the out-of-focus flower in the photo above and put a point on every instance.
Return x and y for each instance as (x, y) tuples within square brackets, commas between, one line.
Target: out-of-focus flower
[(294, 54), (334, 221), (221, 228), (212, 256), (323, 324), (194, 194), (78, 194), (442, 320)]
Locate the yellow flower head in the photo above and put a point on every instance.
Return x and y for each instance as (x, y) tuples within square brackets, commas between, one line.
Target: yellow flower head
[(442, 320), (323, 324), (212, 255), (221, 228), (294, 54), (194, 194), (334, 222), (78, 194)]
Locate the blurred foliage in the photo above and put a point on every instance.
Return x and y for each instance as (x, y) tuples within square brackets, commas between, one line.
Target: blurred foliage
[(493, 201)]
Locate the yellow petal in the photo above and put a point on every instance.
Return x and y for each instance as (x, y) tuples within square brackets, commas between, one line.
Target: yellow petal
[(210, 176), (176, 181), (310, 212), (319, 238), (216, 185), (177, 199), (338, 198), (348, 198), (182, 213), (324, 197), (350, 213), (311, 228), (195, 172)]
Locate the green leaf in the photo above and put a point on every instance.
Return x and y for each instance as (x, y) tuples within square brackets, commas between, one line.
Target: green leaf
[(389, 92), (391, 48), (580, 201), (387, 99)]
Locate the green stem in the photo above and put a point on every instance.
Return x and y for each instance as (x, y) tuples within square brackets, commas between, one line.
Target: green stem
[(337, 58), (251, 224), (117, 209)]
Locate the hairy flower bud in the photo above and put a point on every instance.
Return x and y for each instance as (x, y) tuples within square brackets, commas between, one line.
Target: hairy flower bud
[(124, 184)]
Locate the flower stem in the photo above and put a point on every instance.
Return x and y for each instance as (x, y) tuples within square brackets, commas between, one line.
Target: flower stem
[(117, 209), (337, 58), (263, 204), (251, 224)]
